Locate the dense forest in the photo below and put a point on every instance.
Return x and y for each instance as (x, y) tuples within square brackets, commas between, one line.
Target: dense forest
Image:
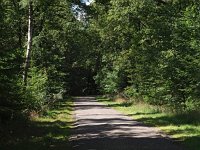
[(146, 50)]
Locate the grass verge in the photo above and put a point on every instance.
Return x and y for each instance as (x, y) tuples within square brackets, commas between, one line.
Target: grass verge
[(48, 132), (182, 127)]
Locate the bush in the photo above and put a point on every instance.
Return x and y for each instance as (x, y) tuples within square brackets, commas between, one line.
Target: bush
[(36, 90)]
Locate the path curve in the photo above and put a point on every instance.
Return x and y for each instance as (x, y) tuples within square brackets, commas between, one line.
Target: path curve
[(98, 127)]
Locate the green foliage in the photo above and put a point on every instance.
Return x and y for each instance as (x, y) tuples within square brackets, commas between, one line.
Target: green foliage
[(54, 27), (10, 56), (155, 46), (109, 84), (36, 92), (41, 131), (145, 48)]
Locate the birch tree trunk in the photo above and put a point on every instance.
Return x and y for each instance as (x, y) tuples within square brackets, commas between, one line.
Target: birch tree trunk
[(29, 43)]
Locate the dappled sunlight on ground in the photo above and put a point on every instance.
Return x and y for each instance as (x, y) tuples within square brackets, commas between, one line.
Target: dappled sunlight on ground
[(48, 132), (181, 127), (98, 127)]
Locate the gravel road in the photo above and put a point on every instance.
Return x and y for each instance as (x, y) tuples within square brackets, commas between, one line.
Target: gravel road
[(98, 127)]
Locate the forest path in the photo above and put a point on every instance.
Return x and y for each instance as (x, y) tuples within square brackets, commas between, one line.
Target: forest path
[(98, 127)]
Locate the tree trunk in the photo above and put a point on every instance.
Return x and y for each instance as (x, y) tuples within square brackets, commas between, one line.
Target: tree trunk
[(29, 43)]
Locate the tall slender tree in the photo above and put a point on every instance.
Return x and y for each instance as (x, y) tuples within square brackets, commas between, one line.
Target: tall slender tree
[(29, 41)]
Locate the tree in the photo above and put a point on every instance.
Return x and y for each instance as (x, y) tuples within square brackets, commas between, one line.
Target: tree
[(29, 41)]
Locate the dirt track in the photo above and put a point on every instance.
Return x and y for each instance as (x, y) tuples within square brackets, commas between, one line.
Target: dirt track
[(98, 127)]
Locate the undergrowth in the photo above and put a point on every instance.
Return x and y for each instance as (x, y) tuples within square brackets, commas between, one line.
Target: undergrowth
[(45, 132)]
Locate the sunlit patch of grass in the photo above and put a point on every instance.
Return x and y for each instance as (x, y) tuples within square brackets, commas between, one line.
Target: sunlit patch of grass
[(182, 127), (46, 132)]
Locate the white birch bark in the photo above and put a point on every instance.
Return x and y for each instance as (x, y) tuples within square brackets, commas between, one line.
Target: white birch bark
[(29, 43)]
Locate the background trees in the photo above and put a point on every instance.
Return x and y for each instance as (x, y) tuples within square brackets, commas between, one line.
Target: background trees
[(55, 38), (146, 49), (149, 50), (10, 52)]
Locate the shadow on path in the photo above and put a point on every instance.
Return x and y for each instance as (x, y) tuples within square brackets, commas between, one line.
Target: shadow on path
[(100, 128)]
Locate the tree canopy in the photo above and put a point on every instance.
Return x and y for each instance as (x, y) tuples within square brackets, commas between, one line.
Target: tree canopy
[(148, 50)]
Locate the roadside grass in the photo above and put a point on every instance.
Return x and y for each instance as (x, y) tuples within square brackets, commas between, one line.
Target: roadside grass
[(47, 132), (182, 127)]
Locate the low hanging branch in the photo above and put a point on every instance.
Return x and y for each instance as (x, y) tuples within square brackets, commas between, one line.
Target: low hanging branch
[(29, 43)]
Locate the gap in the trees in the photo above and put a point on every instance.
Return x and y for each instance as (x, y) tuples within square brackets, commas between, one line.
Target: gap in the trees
[(82, 82)]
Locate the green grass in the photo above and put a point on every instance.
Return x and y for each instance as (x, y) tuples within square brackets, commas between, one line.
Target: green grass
[(182, 127), (48, 132)]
